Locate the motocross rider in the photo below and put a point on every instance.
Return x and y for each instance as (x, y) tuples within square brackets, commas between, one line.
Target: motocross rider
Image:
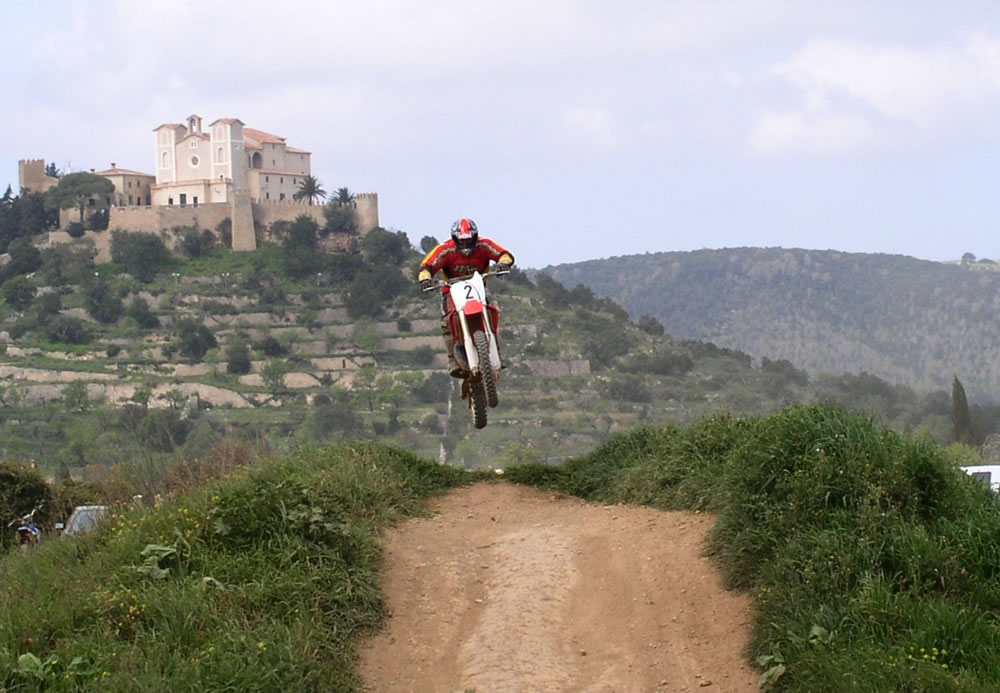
[(466, 252)]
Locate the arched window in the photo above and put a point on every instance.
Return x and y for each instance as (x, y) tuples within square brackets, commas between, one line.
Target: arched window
[(257, 161), (165, 160), (220, 155)]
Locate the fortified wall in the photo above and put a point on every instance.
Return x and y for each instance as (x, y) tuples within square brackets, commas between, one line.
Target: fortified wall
[(365, 212), (162, 219)]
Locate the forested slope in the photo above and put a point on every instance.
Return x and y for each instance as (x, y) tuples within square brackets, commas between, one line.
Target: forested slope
[(905, 320)]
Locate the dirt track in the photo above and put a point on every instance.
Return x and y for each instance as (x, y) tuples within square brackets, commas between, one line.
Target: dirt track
[(508, 589)]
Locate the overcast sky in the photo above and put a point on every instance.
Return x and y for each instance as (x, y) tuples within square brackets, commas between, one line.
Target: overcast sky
[(568, 129)]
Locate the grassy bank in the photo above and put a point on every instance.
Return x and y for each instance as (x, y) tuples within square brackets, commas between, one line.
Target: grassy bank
[(258, 582), (873, 561)]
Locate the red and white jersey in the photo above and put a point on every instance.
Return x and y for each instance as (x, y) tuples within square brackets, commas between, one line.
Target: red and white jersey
[(450, 262)]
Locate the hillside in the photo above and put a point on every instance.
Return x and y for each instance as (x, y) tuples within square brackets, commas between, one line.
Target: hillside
[(904, 320), (849, 553), (131, 368)]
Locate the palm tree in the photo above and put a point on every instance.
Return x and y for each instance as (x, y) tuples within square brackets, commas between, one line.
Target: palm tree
[(343, 196), (310, 189)]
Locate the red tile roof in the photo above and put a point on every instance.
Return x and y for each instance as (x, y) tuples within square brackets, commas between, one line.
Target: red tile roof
[(263, 137)]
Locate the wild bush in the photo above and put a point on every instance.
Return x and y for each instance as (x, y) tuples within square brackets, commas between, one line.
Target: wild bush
[(140, 254), (194, 339), (67, 330), (103, 303), (870, 556), (238, 357), (19, 292), (22, 489), (140, 311), (223, 588)]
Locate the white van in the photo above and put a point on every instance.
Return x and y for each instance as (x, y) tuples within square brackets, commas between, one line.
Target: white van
[(84, 519), (989, 474)]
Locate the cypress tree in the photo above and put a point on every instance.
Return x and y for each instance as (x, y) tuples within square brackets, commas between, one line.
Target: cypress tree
[(964, 430)]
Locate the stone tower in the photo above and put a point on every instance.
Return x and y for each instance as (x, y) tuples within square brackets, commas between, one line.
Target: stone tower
[(241, 206)]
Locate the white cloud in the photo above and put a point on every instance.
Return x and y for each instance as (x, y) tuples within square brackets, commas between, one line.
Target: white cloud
[(857, 96), (806, 132)]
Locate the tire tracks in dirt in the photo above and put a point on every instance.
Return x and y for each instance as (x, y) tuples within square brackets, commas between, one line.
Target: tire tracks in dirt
[(507, 588)]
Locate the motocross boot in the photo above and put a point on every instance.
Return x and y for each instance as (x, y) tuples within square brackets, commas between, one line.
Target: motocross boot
[(454, 369)]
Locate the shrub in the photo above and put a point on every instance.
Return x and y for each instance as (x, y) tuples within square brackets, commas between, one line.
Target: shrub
[(98, 221), (140, 254), (102, 303), (626, 388), (194, 242), (18, 292), (650, 325), (435, 388), (140, 311), (22, 489), (24, 259), (67, 330), (194, 339), (48, 304), (76, 229), (335, 417), (270, 346), (432, 424), (238, 357), (225, 230), (339, 218), (162, 430)]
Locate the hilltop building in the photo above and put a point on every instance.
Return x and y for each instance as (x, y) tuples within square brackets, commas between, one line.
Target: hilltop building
[(193, 165), (132, 188), (204, 177)]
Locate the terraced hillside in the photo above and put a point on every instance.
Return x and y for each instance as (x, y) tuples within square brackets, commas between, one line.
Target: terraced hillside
[(102, 369)]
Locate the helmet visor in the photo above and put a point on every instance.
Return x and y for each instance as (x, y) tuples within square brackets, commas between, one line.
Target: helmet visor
[(466, 245)]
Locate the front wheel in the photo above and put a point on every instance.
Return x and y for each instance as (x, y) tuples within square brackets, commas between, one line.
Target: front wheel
[(486, 367), (478, 405)]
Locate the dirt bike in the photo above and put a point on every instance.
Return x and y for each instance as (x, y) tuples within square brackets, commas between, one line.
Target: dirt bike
[(28, 534), (474, 324)]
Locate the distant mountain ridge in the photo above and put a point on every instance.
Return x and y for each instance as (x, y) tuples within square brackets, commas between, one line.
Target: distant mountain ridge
[(905, 320)]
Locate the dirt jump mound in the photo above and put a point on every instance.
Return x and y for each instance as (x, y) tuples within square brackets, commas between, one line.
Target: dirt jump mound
[(507, 588)]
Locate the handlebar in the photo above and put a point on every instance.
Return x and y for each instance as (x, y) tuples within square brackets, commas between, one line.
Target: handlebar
[(495, 271), (25, 519)]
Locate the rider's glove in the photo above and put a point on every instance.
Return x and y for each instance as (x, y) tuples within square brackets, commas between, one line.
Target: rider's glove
[(426, 284), (504, 267)]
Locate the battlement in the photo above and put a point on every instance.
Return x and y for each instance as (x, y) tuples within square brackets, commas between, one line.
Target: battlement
[(288, 202), (31, 176)]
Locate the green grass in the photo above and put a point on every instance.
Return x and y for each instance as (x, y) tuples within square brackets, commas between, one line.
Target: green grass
[(873, 561), (259, 582)]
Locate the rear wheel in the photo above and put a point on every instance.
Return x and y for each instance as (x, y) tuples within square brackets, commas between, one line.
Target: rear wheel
[(486, 367)]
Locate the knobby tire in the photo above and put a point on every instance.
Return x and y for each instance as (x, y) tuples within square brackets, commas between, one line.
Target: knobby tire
[(478, 404), (486, 367)]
